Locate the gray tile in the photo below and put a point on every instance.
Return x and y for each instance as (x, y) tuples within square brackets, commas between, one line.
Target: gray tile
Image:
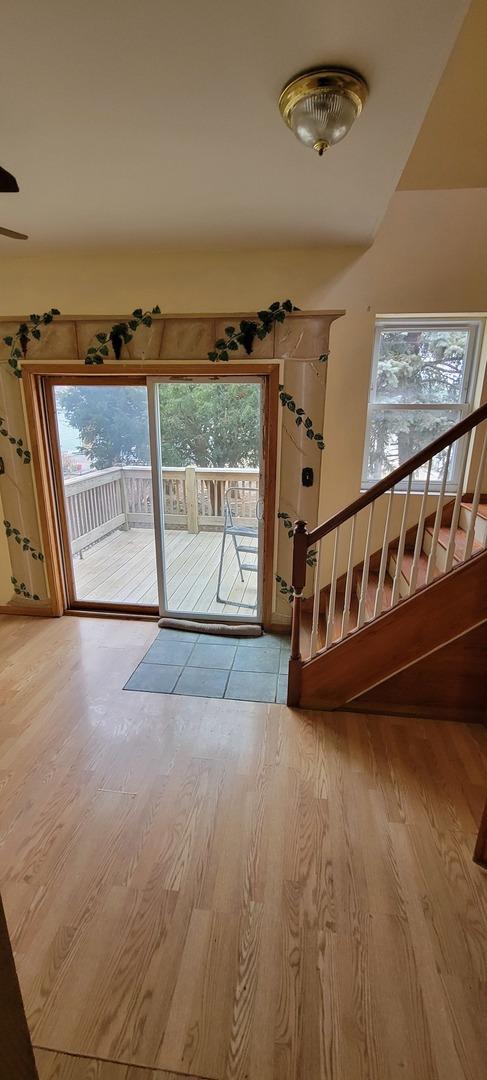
[(178, 635), (281, 696), (169, 651), (283, 663), (266, 641), (249, 686), (257, 660), (155, 678), (217, 639), (212, 656), (202, 682)]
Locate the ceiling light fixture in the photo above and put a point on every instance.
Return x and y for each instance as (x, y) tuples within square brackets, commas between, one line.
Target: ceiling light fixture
[(321, 106)]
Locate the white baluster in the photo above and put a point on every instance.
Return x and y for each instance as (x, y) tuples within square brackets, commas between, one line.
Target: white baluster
[(316, 602), (365, 571), (333, 589), (400, 549), (438, 516), (348, 586), (450, 551), (475, 501), (420, 532), (379, 596)]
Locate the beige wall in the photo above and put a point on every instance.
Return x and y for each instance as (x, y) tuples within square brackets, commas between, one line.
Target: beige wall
[(429, 256)]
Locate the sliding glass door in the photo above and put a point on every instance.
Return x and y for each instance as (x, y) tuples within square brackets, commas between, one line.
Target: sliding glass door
[(101, 458), (206, 449)]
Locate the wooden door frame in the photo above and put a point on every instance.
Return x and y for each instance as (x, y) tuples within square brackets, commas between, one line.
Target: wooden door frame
[(38, 379)]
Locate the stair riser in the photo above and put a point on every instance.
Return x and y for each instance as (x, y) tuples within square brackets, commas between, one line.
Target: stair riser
[(480, 525), (403, 583), (441, 553)]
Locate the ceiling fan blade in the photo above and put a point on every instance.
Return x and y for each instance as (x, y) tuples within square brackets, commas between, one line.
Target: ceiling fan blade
[(14, 235), (7, 181)]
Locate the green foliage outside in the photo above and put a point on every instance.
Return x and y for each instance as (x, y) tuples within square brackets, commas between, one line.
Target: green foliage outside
[(214, 425)]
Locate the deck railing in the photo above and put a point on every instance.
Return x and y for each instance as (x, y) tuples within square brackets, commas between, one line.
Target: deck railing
[(121, 497)]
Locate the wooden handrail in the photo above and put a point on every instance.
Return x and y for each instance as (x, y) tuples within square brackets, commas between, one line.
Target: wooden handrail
[(393, 478)]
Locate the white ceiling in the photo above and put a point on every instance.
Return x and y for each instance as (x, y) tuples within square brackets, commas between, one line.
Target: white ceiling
[(154, 123)]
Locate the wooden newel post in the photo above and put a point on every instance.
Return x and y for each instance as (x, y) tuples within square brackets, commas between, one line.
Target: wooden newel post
[(300, 551)]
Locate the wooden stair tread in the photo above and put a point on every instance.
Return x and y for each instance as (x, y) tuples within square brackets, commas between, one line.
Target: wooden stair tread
[(481, 509), (460, 541)]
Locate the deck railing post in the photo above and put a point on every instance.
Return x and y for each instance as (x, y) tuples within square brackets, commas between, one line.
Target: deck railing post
[(125, 501), (191, 498)]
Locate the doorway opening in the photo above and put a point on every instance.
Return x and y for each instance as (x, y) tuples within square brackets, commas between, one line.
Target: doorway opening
[(163, 487)]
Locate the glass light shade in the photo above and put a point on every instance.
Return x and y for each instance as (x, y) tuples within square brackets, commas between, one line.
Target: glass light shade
[(323, 119), (321, 106)]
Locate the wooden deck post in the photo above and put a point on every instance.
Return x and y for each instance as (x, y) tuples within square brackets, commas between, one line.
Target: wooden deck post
[(480, 853), (191, 498), (300, 550)]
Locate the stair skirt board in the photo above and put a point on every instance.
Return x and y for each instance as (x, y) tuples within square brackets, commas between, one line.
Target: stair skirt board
[(447, 684)]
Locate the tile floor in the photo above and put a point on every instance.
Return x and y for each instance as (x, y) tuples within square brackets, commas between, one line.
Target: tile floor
[(204, 665)]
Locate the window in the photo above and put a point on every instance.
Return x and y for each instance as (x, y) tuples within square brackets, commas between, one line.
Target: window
[(423, 379)]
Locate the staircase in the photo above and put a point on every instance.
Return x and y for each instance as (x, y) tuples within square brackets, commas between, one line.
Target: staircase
[(405, 628)]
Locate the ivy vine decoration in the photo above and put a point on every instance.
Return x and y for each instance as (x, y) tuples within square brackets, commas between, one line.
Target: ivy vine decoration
[(20, 449), (287, 401), (288, 590), (20, 588), (323, 358), (249, 329), (23, 541), (19, 341), (120, 334), (285, 589)]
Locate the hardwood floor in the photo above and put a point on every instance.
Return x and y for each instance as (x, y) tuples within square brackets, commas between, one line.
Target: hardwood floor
[(121, 568), (231, 890)]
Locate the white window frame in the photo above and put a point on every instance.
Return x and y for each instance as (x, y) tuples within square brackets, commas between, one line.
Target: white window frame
[(461, 408)]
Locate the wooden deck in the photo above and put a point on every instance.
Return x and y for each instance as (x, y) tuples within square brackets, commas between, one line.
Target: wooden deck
[(121, 568)]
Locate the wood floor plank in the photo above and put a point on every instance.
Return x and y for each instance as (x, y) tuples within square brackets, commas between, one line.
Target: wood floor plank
[(233, 890)]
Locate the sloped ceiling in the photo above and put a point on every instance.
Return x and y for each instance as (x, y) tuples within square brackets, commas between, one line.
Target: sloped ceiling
[(155, 124), (451, 148)]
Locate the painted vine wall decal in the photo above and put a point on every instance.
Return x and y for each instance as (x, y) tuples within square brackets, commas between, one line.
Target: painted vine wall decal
[(20, 449), (248, 329), (119, 335), (24, 541), (20, 588), (300, 417), (18, 342)]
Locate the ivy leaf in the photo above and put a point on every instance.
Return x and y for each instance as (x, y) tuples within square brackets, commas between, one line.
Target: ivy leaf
[(133, 324), (101, 337), (299, 420), (232, 345), (229, 330), (287, 305), (104, 350), (137, 313), (8, 340), (275, 306), (55, 311), (213, 356), (147, 320), (310, 433), (308, 423), (156, 310), (318, 436), (321, 446), (220, 344), (224, 355), (19, 452), (40, 556), (36, 597), (36, 334), (290, 533), (291, 406)]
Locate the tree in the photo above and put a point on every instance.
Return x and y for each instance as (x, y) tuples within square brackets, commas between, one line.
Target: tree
[(112, 422), (211, 425)]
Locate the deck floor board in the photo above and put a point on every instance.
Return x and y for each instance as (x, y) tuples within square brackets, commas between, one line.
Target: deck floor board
[(121, 568)]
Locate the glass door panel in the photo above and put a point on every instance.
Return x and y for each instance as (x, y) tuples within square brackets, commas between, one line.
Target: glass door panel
[(105, 469), (207, 438)]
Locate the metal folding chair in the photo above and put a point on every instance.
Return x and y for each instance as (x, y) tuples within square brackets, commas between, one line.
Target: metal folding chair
[(240, 535)]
